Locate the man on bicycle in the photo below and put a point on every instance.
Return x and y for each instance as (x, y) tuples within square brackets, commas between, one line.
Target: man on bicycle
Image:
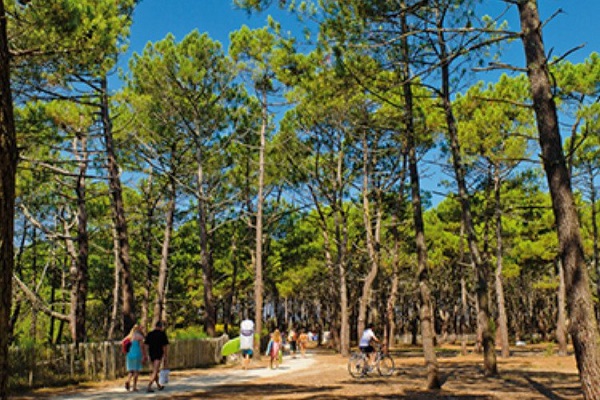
[(365, 344)]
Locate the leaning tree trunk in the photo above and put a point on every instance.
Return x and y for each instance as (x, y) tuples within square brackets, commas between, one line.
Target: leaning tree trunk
[(481, 265), (583, 327)]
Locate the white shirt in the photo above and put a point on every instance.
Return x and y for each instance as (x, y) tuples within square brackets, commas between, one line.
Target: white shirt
[(365, 340), (246, 334)]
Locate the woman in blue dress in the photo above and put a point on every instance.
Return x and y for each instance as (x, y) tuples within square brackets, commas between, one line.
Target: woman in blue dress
[(136, 356)]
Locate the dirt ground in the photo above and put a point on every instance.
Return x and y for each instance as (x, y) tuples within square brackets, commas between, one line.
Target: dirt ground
[(529, 373)]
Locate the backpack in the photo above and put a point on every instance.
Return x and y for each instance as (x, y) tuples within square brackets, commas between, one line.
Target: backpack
[(126, 345)]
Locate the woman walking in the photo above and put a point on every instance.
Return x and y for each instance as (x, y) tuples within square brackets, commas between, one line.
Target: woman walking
[(136, 356)]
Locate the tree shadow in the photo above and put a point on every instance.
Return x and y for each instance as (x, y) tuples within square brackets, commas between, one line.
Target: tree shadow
[(250, 391), (552, 385)]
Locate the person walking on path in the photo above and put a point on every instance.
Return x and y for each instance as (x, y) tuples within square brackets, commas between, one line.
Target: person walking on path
[(136, 356), (246, 341), (303, 342), (157, 343), (292, 340), (274, 349)]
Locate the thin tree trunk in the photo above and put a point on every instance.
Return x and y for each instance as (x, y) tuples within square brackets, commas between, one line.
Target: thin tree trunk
[(79, 272), (116, 288), (372, 240), (150, 204), (561, 322), (393, 296), (205, 255), (481, 265), (258, 256), (592, 189), (341, 235), (233, 288), (426, 311), (583, 326), (119, 219), (163, 271), (502, 319)]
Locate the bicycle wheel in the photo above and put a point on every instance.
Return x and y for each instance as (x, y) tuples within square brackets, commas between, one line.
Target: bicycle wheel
[(386, 366), (357, 365)]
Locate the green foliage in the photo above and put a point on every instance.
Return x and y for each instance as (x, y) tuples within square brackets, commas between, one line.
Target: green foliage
[(187, 333)]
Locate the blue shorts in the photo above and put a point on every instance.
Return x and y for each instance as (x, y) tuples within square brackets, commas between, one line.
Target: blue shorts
[(247, 352)]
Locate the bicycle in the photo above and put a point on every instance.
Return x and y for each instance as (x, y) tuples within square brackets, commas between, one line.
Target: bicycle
[(358, 364)]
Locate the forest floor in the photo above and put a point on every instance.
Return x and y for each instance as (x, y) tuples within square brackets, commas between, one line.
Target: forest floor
[(530, 373)]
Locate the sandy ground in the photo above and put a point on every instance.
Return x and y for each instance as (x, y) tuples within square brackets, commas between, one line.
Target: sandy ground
[(527, 374)]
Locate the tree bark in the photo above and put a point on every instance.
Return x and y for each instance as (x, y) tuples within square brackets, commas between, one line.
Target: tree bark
[(79, 266), (481, 265), (163, 270), (119, 219), (502, 319), (426, 311), (206, 261), (372, 239), (150, 204), (561, 322), (8, 166), (258, 256), (592, 189), (583, 327)]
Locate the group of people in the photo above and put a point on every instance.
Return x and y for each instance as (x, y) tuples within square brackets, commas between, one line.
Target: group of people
[(153, 347), (274, 347)]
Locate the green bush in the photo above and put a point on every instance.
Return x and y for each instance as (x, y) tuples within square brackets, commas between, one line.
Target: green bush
[(188, 333)]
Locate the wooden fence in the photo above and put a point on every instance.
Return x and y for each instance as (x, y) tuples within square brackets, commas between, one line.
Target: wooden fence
[(48, 366)]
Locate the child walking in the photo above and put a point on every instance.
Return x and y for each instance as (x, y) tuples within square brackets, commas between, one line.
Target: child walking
[(274, 348)]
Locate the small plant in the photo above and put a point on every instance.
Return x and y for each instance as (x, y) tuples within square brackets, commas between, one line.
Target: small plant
[(549, 350)]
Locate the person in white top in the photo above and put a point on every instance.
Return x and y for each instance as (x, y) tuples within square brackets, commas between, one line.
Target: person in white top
[(246, 341), (365, 344)]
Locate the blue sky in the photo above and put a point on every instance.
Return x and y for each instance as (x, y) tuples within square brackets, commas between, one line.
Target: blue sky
[(154, 19)]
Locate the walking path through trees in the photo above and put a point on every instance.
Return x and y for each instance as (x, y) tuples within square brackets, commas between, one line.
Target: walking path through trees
[(531, 373)]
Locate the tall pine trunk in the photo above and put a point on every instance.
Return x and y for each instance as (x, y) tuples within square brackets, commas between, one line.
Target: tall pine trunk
[(561, 319), (206, 262), (502, 318), (583, 327), (481, 265), (8, 167), (258, 254), (426, 311), (119, 219), (79, 267), (372, 240), (163, 270)]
